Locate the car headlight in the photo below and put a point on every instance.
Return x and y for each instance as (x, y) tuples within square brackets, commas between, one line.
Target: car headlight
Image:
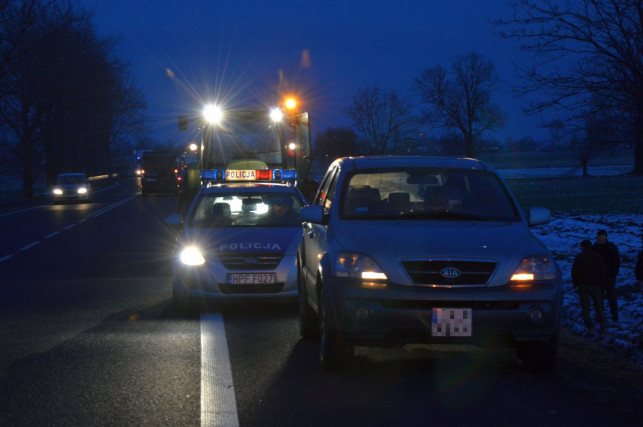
[(58, 191), (191, 256), (535, 267), (350, 264), (82, 190)]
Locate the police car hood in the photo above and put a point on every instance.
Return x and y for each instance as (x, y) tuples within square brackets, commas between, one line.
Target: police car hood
[(278, 240), (389, 242)]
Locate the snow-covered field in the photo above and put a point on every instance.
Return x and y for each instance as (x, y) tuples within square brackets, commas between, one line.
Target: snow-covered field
[(563, 235)]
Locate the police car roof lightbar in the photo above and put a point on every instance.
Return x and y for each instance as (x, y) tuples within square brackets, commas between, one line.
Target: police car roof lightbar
[(277, 175)]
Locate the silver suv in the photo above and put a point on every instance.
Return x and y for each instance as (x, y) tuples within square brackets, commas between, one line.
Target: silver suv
[(399, 250)]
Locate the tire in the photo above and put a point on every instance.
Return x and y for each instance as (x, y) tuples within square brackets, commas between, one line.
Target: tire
[(334, 354), (308, 326), (538, 356)]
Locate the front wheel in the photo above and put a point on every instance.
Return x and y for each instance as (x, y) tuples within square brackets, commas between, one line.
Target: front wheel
[(308, 327), (334, 354)]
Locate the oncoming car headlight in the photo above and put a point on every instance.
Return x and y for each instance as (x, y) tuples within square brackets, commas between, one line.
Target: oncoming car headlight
[(82, 190), (349, 264), (58, 191), (191, 255), (535, 267)]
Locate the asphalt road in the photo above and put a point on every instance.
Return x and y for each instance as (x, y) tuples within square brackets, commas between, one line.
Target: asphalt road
[(89, 338)]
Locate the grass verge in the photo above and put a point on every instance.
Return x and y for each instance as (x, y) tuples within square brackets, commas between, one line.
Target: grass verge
[(576, 195)]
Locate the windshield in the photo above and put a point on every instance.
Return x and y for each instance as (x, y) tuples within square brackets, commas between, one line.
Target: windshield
[(246, 210), (240, 137), (72, 179), (434, 193)]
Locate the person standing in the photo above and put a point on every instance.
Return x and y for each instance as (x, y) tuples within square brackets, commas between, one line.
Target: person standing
[(638, 270), (588, 274), (609, 252)]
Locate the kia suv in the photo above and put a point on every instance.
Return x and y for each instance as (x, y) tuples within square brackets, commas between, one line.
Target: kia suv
[(399, 250)]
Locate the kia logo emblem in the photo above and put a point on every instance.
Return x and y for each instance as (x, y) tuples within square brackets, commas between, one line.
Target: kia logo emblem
[(250, 260), (450, 272)]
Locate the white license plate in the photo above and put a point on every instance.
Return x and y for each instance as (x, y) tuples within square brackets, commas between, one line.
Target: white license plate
[(451, 322), (240, 175), (251, 278)]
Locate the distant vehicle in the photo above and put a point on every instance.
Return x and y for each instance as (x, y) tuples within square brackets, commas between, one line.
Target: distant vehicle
[(138, 160), (399, 250), (239, 239), (71, 186), (159, 173)]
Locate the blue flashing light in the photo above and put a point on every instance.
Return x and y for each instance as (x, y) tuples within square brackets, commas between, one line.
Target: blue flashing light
[(207, 174), (216, 174), (285, 174)]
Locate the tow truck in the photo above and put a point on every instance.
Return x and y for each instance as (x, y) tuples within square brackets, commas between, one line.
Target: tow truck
[(254, 138)]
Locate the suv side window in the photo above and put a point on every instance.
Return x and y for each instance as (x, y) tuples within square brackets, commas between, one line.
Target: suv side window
[(330, 194), (326, 186)]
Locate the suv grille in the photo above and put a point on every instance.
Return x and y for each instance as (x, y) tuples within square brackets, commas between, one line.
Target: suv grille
[(427, 272), (250, 261)]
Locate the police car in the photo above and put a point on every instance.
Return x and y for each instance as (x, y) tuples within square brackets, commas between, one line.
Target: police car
[(401, 250), (239, 238)]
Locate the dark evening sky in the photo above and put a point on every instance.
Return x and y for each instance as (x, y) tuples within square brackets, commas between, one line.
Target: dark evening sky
[(185, 53)]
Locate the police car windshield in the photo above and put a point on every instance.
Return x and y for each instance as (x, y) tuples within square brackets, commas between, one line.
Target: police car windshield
[(246, 210), (427, 193)]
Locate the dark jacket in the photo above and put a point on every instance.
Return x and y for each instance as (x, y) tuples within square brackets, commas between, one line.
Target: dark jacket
[(638, 271), (588, 269), (610, 255)]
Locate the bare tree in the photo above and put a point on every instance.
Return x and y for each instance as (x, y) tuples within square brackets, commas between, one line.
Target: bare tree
[(336, 142), (23, 26), (381, 119), (585, 50), (557, 135), (462, 98), (17, 19), (67, 100)]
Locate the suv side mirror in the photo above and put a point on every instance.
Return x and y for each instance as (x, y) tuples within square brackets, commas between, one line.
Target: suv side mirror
[(312, 213), (538, 216)]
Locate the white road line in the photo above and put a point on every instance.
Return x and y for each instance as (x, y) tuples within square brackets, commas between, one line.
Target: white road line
[(112, 206), (218, 403), (50, 235), (30, 245), (21, 210)]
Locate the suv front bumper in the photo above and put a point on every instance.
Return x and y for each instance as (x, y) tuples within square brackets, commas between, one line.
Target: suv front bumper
[(398, 315)]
